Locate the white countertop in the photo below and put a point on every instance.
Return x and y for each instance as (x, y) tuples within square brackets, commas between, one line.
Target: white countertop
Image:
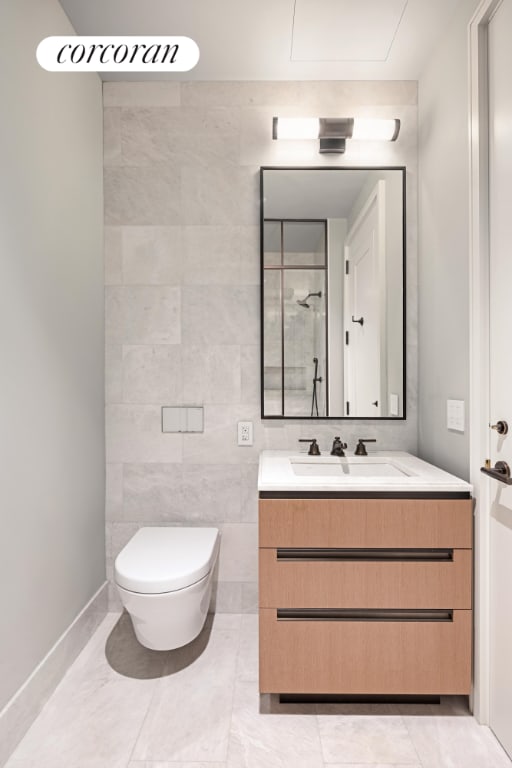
[(410, 474)]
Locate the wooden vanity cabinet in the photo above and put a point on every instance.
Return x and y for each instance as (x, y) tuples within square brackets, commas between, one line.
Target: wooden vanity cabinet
[(365, 596)]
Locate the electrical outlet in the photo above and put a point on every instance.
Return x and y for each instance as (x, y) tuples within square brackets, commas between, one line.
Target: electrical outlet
[(245, 433)]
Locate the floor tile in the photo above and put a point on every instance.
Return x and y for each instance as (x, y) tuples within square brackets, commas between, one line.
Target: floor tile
[(453, 742), (145, 764), (247, 662), (362, 739), (373, 765), (190, 715), (270, 740), (88, 724)]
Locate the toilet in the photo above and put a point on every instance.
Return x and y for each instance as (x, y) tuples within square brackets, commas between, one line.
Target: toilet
[(164, 578)]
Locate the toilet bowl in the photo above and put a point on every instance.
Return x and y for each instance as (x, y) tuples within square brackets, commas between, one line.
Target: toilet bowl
[(164, 579)]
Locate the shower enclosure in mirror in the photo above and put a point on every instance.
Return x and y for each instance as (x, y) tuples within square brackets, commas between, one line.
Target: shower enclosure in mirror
[(332, 276)]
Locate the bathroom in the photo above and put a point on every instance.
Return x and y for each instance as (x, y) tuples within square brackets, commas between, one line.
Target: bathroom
[(131, 226)]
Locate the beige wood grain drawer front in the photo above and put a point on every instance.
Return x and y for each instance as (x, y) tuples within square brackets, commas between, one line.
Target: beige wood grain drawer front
[(366, 523), (365, 657), (356, 584)]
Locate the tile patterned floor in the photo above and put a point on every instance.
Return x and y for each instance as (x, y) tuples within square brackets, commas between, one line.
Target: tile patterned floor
[(122, 706)]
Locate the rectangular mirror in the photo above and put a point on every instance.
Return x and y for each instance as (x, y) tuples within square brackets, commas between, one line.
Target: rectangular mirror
[(333, 293)]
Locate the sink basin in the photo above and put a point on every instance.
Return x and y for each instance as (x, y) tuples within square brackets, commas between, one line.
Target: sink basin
[(381, 472), (351, 466)]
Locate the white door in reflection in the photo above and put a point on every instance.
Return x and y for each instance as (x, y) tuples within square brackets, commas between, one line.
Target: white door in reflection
[(365, 309)]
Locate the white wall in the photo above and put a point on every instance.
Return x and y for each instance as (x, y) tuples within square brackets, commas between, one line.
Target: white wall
[(51, 337), (444, 245)]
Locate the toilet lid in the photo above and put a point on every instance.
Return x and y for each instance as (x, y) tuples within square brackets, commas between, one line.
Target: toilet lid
[(160, 560)]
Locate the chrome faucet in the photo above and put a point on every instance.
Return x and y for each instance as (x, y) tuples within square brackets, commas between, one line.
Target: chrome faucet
[(338, 448)]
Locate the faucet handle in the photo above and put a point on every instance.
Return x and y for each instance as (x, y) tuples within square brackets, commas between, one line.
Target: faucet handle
[(361, 447), (314, 450)]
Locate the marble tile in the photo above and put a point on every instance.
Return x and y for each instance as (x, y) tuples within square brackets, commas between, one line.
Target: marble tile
[(153, 493), (189, 717), (193, 150), (250, 364), (360, 739), (159, 764), (211, 373), (247, 661), (219, 438), (211, 493), (152, 255), (142, 195), (114, 492), (219, 313), (249, 248), (268, 740), (372, 765), (211, 254), (227, 597), (142, 315), (22, 711), (219, 194), (250, 603), (112, 248), (153, 374), (113, 373), (141, 94), (249, 488), (112, 137), (91, 720), (447, 742), (238, 558), (134, 435), (232, 94), (119, 534)]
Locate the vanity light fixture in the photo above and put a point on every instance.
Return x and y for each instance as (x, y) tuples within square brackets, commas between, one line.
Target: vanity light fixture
[(333, 131)]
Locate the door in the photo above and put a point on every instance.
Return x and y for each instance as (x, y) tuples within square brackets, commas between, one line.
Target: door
[(365, 317), (500, 242)]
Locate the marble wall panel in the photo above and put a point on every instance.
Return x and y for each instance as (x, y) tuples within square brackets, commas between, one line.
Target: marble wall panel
[(182, 204)]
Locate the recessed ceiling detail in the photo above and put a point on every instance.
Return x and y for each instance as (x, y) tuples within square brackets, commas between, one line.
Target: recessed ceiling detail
[(345, 30)]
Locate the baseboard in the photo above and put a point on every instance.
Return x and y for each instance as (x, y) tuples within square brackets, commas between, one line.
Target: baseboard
[(20, 712)]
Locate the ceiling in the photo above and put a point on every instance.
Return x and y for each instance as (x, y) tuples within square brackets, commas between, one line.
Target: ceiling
[(279, 39)]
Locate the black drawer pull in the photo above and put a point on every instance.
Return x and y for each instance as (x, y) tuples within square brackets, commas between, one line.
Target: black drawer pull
[(365, 555), (362, 614)]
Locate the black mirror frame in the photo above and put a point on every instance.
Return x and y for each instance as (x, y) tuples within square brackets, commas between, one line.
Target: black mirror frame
[(403, 170)]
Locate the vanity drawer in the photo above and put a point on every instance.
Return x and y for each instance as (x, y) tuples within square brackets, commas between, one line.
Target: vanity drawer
[(365, 656), (349, 583), (377, 523)]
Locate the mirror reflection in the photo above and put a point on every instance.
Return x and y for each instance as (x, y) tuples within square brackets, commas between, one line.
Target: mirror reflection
[(333, 292)]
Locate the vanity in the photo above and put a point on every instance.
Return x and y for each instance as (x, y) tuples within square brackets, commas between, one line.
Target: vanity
[(365, 576)]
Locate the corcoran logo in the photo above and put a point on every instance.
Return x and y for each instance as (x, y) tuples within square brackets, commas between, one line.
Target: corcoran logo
[(117, 54)]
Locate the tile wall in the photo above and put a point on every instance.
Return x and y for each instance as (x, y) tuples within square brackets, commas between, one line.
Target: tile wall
[(182, 298)]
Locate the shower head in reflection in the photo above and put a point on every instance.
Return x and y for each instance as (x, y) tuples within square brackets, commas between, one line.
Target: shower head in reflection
[(304, 302)]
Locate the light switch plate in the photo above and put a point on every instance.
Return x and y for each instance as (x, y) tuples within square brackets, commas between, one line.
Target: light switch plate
[(393, 405), (455, 415)]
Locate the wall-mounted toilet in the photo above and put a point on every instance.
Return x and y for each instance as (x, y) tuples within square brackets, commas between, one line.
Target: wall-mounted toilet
[(164, 578)]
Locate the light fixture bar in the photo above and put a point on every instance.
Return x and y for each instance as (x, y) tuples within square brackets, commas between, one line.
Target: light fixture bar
[(295, 128), (365, 129), (333, 131)]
